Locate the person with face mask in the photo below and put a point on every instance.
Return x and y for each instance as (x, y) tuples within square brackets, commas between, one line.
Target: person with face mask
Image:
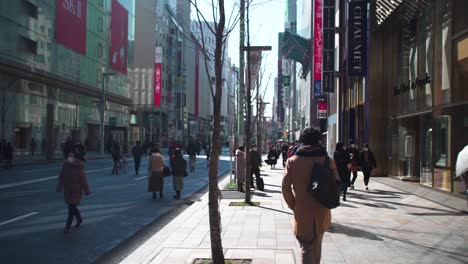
[(368, 163), (353, 162)]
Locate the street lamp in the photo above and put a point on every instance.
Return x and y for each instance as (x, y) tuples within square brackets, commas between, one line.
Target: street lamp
[(103, 107)]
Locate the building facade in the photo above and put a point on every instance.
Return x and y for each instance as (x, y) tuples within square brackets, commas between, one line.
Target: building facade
[(51, 82)]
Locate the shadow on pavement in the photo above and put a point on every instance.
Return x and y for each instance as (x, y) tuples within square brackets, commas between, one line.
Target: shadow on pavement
[(271, 191), (261, 194), (272, 209), (266, 184), (352, 232)]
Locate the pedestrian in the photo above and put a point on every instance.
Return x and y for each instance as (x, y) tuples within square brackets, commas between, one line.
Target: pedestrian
[(353, 162), (255, 163), (341, 161), (192, 153), (240, 168), (73, 181), (137, 152), (43, 146), (155, 173), (311, 219), (8, 154), (79, 151), (33, 145), (179, 171), (67, 147), (284, 154), (116, 153), (208, 151), (272, 157), (368, 163)]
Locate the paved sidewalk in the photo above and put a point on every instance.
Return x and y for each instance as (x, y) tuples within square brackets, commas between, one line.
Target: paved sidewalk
[(385, 225)]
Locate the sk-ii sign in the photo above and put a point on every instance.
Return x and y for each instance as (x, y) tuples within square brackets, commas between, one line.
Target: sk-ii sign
[(70, 24), (357, 38)]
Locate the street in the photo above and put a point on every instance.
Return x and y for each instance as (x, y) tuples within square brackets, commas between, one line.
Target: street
[(33, 214)]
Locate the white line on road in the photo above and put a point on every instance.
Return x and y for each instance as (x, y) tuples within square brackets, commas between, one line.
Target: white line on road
[(139, 178), (18, 218), (9, 185)]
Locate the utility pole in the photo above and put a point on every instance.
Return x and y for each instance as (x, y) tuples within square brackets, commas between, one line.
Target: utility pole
[(257, 119), (241, 88)]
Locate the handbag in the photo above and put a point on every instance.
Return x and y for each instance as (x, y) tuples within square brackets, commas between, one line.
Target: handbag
[(323, 185), (166, 171)]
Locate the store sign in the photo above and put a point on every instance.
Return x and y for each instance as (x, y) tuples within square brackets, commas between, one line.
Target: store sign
[(411, 85), (322, 109), (318, 41), (119, 38), (70, 24), (328, 84), (157, 76), (357, 37)]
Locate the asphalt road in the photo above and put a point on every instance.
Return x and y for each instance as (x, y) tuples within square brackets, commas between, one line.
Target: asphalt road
[(33, 215)]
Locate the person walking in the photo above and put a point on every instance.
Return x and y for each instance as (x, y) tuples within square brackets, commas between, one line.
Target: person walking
[(341, 161), (155, 173), (240, 168), (353, 162), (368, 163), (79, 151), (8, 154), (33, 146), (73, 181), (284, 154), (255, 163), (311, 219), (179, 171), (67, 147), (116, 153), (192, 153), (208, 151), (137, 152), (272, 157)]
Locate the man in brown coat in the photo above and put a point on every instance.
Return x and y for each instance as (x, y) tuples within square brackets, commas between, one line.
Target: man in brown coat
[(73, 181), (311, 218)]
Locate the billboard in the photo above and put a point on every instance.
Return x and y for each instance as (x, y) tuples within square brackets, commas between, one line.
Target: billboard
[(157, 76), (70, 24), (357, 37), (318, 41), (119, 37)]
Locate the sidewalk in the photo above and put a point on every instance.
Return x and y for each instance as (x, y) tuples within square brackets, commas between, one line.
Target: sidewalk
[(385, 225)]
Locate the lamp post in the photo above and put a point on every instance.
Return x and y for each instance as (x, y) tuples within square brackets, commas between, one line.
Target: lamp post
[(103, 107)]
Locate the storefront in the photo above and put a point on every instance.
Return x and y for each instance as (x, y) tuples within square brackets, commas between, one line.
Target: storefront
[(425, 70)]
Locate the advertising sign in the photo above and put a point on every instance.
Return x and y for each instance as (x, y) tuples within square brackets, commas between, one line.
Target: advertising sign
[(70, 24), (322, 109), (119, 38), (157, 76), (318, 41), (328, 46), (357, 37)]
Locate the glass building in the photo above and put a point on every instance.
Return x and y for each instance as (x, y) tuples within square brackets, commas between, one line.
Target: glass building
[(49, 91)]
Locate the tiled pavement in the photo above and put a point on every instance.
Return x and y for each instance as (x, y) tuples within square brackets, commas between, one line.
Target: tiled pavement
[(384, 225)]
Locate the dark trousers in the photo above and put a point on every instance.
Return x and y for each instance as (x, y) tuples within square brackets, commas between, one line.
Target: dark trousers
[(255, 171), (367, 173), (354, 177), (73, 212), (137, 164)]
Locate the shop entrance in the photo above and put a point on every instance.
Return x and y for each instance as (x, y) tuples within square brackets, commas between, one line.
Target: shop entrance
[(22, 136)]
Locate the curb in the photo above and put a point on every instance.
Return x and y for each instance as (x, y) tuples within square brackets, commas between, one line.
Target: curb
[(134, 241)]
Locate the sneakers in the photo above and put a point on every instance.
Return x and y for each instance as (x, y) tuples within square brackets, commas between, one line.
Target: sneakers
[(367, 189), (352, 187)]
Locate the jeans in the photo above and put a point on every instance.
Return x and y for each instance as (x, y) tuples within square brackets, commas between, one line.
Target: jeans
[(311, 252), (73, 212)]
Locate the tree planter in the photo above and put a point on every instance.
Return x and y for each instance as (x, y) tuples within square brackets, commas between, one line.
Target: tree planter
[(227, 261)]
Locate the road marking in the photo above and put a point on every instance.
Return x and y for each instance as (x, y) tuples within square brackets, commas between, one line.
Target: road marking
[(8, 185), (55, 168), (139, 178), (18, 218)]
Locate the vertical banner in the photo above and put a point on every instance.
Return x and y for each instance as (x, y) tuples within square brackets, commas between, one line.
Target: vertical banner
[(318, 41), (70, 24), (197, 79), (157, 76), (286, 71), (328, 79), (357, 37), (322, 109), (119, 37)]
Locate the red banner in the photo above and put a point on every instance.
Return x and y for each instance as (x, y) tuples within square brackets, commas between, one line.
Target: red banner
[(119, 38), (157, 75), (70, 24), (318, 40)]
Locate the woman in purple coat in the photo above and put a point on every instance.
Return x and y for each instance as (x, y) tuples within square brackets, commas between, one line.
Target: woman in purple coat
[(73, 181)]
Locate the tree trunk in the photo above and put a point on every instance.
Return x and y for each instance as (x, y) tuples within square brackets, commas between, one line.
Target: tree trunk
[(214, 193), (248, 124)]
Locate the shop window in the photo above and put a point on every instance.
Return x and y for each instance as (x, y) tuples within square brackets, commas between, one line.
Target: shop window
[(443, 52), (100, 24), (426, 63), (426, 149), (442, 157), (100, 50)]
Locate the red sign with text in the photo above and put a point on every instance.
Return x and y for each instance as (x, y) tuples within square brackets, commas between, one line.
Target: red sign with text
[(318, 40), (157, 83), (119, 37), (70, 24)]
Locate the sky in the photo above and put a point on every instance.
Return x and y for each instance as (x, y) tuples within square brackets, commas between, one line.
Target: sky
[(266, 21)]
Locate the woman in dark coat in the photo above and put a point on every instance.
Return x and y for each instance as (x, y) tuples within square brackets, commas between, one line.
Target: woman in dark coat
[(116, 155), (272, 157), (368, 163), (179, 171), (341, 160), (73, 181)]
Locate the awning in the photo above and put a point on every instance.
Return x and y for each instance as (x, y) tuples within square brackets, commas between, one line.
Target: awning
[(407, 9), (298, 49)]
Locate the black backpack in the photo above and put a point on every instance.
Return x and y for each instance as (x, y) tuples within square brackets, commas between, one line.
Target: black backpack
[(323, 185)]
